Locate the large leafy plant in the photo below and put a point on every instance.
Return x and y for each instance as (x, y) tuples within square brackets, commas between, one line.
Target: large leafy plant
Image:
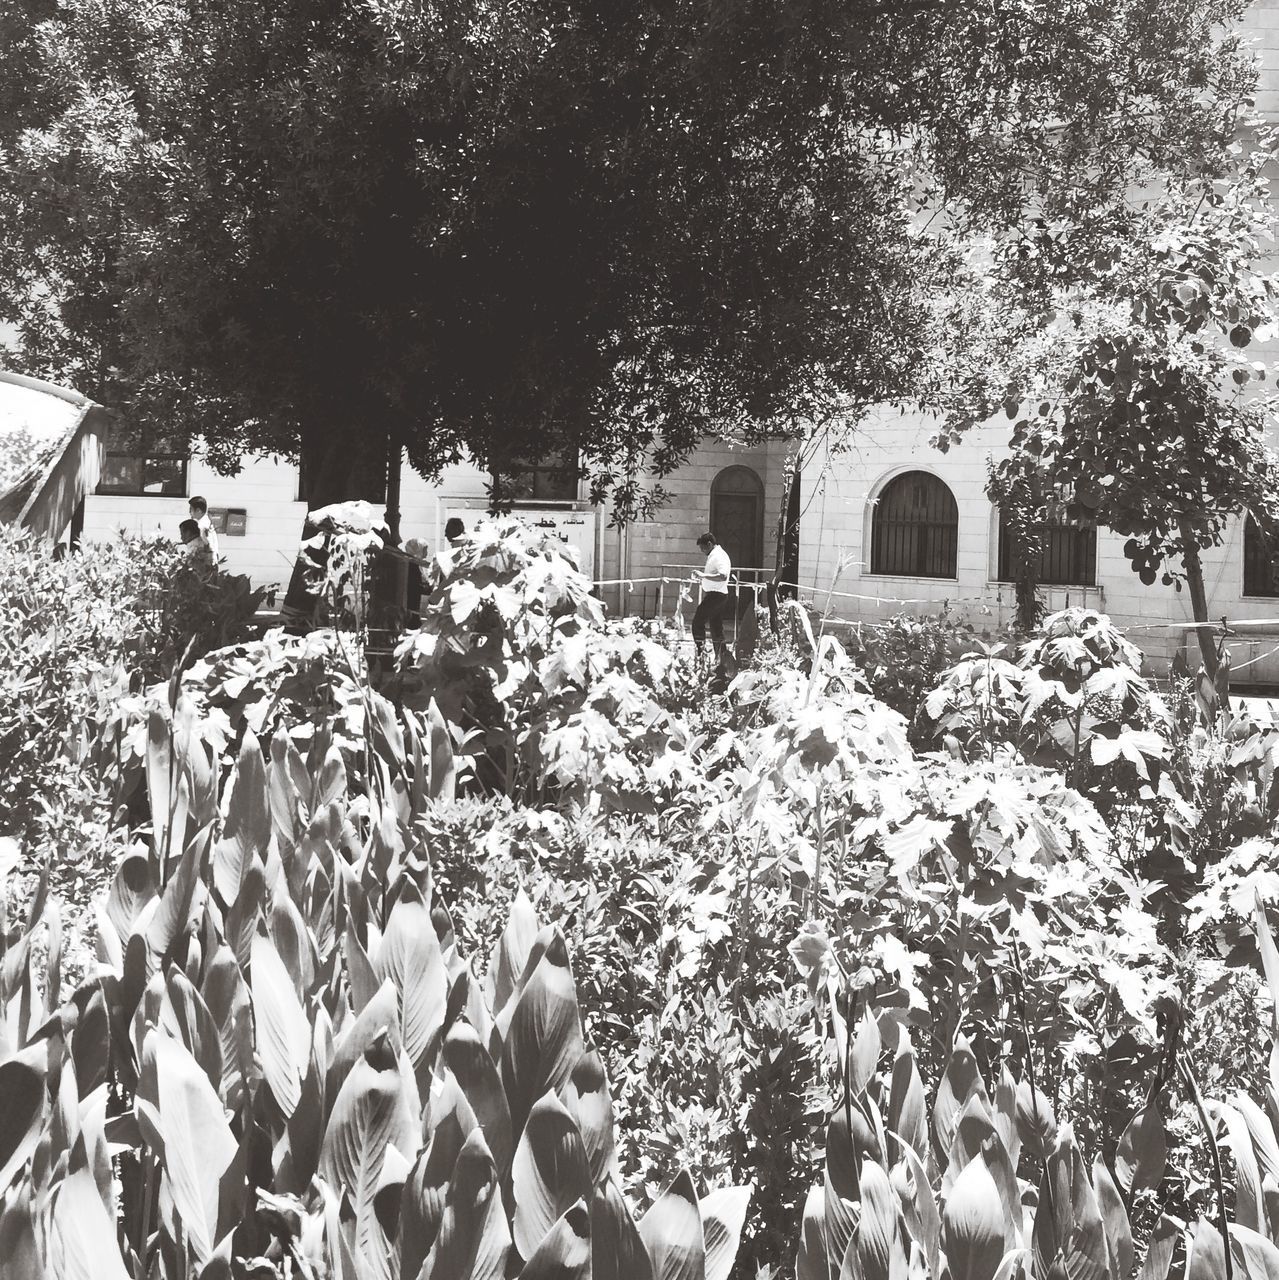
[(988, 1183), (292, 1067)]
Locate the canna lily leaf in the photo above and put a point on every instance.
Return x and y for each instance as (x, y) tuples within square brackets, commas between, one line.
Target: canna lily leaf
[(1114, 1218), (409, 956), (961, 1081), (283, 1029), (587, 1098), (878, 1249), (541, 1030), (22, 1110), (474, 1239), (227, 999), (198, 1144), (1160, 1250), (370, 1113), (23, 1257), (723, 1217), (131, 890), (672, 1233), (380, 1014), (907, 1116), (617, 1252), (812, 1262), (1254, 1254), (466, 1057), (185, 1017), (1142, 1152), (422, 1200), (443, 767), (565, 1251), (248, 822), (973, 1225), (548, 1174), (511, 953), (82, 1244), (1206, 1254)]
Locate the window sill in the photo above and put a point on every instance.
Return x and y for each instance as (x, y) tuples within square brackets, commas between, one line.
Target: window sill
[(900, 577)]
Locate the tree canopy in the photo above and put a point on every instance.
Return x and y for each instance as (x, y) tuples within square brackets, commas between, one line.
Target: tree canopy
[(314, 228)]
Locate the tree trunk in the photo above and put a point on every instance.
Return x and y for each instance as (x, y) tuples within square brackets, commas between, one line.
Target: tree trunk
[(1198, 599), (335, 466)]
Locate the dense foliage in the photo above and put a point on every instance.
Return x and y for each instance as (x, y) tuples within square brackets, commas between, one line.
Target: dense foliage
[(78, 634), (327, 1036)]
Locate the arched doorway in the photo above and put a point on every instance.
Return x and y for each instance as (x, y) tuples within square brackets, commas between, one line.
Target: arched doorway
[(737, 516)]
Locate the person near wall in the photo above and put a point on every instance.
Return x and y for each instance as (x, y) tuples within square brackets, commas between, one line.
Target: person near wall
[(454, 531), (709, 616), (199, 512)]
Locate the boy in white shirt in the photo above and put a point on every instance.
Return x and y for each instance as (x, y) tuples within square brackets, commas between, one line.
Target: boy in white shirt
[(714, 602), (199, 510)]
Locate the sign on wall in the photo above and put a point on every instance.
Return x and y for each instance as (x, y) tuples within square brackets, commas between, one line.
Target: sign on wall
[(575, 530), (231, 521)]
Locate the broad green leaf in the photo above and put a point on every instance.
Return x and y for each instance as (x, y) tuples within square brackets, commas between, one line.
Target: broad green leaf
[(175, 915), (672, 1233), (587, 1098), (198, 1144), (1250, 1201), (1159, 1251), (723, 1217), (474, 1239), (1254, 1254), (907, 1113), (82, 1237), (812, 1262), (875, 1241), (541, 1031), (380, 1014), (1142, 1152), (185, 1016), (409, 956), (22, 1112), (1115, 1219), (283, 1030), (248, 822), (548, 1174), (565, 1250), (370, 1113), (1206, 1253), (466, 1057), (973, 1225), (511, 953), (226, 997), (617, 1252), (864, 1057), (19, 1249), (424, 1194), (961, 1081)]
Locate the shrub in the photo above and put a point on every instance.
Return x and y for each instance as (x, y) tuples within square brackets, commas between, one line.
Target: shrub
[(76, 634)]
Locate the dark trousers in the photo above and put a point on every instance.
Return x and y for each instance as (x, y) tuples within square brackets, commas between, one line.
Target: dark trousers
[(710, 617)]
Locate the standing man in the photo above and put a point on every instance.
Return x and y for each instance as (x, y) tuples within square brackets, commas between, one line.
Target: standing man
[(714, 602), (199, 510)]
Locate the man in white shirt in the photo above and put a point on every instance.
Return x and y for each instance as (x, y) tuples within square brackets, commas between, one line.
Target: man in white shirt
[(714, 602)]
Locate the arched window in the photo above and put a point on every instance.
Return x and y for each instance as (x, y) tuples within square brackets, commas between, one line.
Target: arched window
[(915, 528), (1069, 557), (737, 516), (1259, 577)]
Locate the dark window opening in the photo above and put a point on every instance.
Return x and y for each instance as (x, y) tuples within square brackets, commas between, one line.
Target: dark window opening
[(1069, 557), (144, 464), (1259, 576), (915, 528), (552, 479)]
